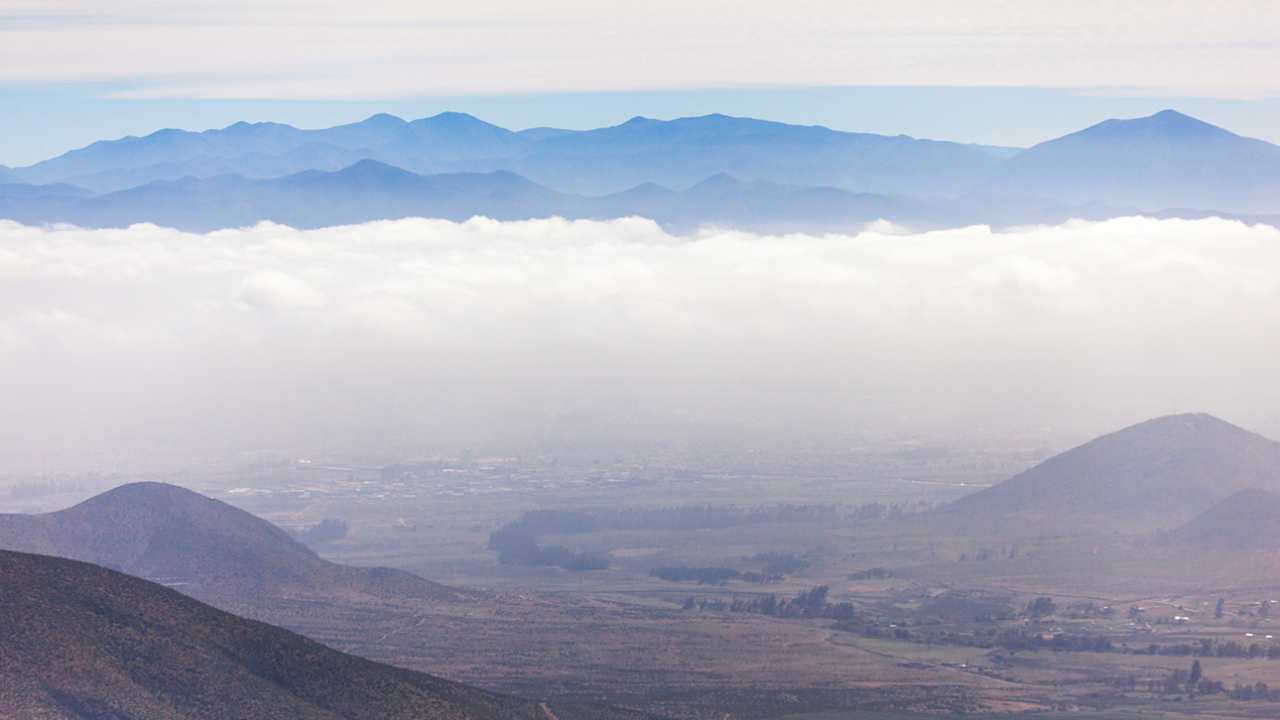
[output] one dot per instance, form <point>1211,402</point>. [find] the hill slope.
<point>1167,160</point>
<point>83,642</point>
<point>1248,520</point>
<point>202,546</point>
<point>1158,473</point>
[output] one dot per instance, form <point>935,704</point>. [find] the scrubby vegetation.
<point>327,530</point>
<point>519,547</point>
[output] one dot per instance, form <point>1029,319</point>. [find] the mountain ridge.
<point>207,547</point>
<point>370,190</point>
<point>1159,473</point>
<point>1246,520</point>
<point>569,161</point>
<point>85,642</point>
<point>1164,160</point>
<point>1166,165</point>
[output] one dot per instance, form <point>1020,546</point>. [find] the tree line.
<point>516,546</point>
<point>810,604</point>
<point>712,575</point>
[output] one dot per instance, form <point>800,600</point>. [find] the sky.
<point>995,72</point>
<point>417,335</point>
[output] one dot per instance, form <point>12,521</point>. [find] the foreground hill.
<point>1248,520</point>
<point>82,642</point>
<point>199,545</point>
<point>1167,160</point>
<point>1158,473</point>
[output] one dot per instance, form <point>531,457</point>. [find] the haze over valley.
<point>676,362</point>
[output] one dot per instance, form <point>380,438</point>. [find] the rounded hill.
<point>1159,473</point>
<point>1248,520</point>
<point>202,546</point>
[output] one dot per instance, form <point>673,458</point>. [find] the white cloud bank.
<point>419,332</point>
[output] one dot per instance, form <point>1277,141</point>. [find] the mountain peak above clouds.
<point>1166,126</point>
<point>1167,163</point>
<point>1166,160</point>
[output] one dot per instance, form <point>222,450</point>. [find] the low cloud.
<point>423,334</point>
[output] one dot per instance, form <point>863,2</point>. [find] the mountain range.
<point>370,190</point>
<point>674,154</point>
<point>1157,474</point>
<point>83,642</point>
<point>686,173</point>
<point>201,546</point>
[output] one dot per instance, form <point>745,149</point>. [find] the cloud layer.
<point>426,333</point>
<point>390,48</point>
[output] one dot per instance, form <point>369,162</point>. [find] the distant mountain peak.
<point>164,531</point>
<point>1161,471</point>
<point>1165,160</point>
<point>452,118</point>
<point>383,119</point>
<point>374,167</point>
<point>1163,126</point>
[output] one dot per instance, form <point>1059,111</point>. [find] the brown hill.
<point>1248,520</point>
<point>80,642</point>
<point>199,545</point>
<point>1158,473</point>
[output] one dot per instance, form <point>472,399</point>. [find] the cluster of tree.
<point>1041,607</point>
<point>42,488</point>
<point>1256,691</point>
<point>1060,642</point>
<point>516,546</point>
<point>712,575</point>
<point>986,553</point>
<point>327,530</point>
<point>1189,681</point>
<point>875,573</point>
<point>1076,611</point>
<point>1209,648</point>
<point>809,604</point>
<point>555,522</point>
<point>773,563</point>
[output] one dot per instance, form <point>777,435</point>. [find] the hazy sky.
<point>586,64</point>
<point>416,334</point>
<point>391,48</point>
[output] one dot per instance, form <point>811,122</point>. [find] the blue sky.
<point>989,71</point>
